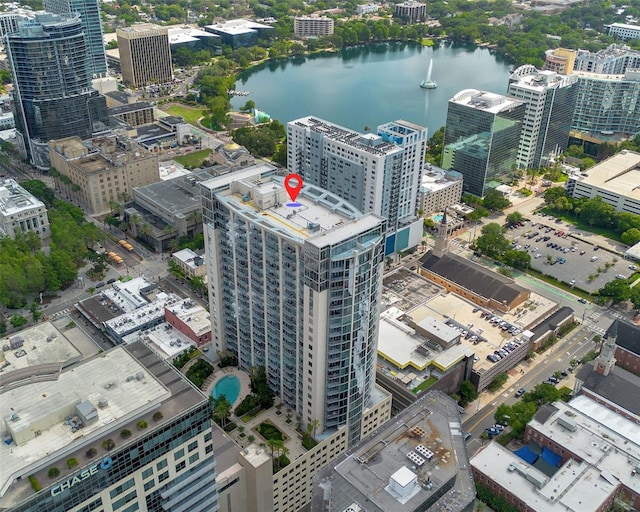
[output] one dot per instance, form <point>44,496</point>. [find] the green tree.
<point>468,392</point>
<point>492,241</point>
<point>514,218</point>
<point>494,200</point>
<point>18,320</point>
<point>221,410</point>
<point>630,236</point>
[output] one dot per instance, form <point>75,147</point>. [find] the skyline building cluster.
<point>294,286</point>
<point>53,96</point>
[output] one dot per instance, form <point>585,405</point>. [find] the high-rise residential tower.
<point>53,97</point>
<point>550,100</point>
<point>297,290</point>
<point>89,11</point>
<point>481,138</point>
<point>377,172</point>
<point>615,59</point>
<point>145,55</point>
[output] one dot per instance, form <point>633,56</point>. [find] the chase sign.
<point>106,463</point>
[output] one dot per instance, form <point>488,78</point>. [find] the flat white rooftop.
<point>127,294</point>
<point>143,315</point>
<point>110,375</point>
<point>42,344</point>
<point>485,101</point>
<point>619,174</point>
<point>317,216</point>
<point>15,199</point>
<point>577,487</point>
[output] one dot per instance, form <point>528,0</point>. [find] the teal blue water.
<point>372,85</point>
<point>229,386</point>
<point>438,218</point>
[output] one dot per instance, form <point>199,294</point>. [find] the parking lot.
<point>559,251</point>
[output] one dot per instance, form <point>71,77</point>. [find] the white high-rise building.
<point>376,172</point>
<point>550,99</point>
<point>297,290</point>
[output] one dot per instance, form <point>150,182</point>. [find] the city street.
<point>479,415</point>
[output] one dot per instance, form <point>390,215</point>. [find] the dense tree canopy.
<point>26,270</point>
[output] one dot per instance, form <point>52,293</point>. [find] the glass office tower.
<point>91,21</point>
<point>481,138</point>
<point>53,97</point>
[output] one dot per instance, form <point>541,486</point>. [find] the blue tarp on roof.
<point>526,454</point>
<point>551,457</point>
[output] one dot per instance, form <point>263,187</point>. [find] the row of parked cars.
<point>504,351</point>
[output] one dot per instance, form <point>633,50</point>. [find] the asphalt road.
<point>543,366</point>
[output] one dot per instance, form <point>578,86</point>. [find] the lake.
<point>371,85</point>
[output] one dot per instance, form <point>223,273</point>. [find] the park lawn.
<point>427,42</point>
<point>189,114</point>
<point>194,159</point>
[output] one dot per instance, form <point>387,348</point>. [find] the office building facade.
<point>119,431</point>
<point>91,21</point>
<point>297,290</point>
<point>53,97</point>
<point>624,31</point>
<point>105,170</point>
<point>481,138</point>
<point>550,100</point>
<point>411,11</point>
<point>607,105</point>
<point>145,55</point>
<point>376,172</point>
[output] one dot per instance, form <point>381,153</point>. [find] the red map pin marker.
<point>293,189</point>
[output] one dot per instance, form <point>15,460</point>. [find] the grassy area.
<point>427,42</point>
<point>194,159</point>
<point>424,385</point>
<point>189,114</point>
<point>582,226</point>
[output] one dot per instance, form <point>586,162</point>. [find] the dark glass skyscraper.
<point>481,138</point>
<point>53,97</point>
<point>89,11</point>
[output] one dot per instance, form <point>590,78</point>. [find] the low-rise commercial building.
<point>238,32</point>
<point>21,212</point>
<point>190,263</point>
<point>615,180</point>
<point>190,319</point>
<point>580,456</point>
<point>439,189</point>
<point>415,462</point>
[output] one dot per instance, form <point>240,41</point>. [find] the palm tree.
<point>312,426</point>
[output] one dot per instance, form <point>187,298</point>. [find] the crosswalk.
<point>58,314</point>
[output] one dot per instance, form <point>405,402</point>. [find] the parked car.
<point>492,431</point>
<point>520,392</point>
<point>582,300</point>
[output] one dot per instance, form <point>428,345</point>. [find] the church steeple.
<point>606,359</point>
<point>441,245</point>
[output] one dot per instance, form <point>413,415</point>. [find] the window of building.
<point>179,454</point>
<point>162,464</point>
<point>163,476</point>
<point>149,485</point>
